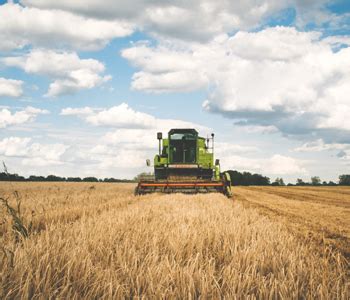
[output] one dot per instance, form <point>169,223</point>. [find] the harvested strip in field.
<point>172,246</point>
<point>323,222</point>
<point>334,196</point>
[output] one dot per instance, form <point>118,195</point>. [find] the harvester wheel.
<point>136,191</point>
<point>227,182</point>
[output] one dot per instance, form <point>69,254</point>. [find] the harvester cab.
<point>185,164</point>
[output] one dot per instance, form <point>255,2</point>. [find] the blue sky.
<point>85,85</point>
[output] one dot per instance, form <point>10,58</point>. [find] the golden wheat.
<point>322,213</point>
<point>99,241</point>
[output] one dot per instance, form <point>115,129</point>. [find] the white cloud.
<point>227,149</point>
<point>275,165</point>
<point>283,165</point>
<point>34,154</point>
<point>277,78</point>
<point>55,23</point>
<point>19,117</point>
<point>10,87</point>
<point>77,111</point>
<point>185,81</point>
<point>342,150</point>
<point>187,20</point>
<point>123,116</point>
<point>45,154</point>
<point>128,139</point>
<point>320,145</point>
<point>14,146</point>
<point>198,20</point>
<point>164,70</point>
<point>21,26</point>
<point>117,157</point>
<point>69,72</point>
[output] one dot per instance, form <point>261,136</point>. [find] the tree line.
<point>237,178</point>
<point>246,178</point>
<point>5,176</point>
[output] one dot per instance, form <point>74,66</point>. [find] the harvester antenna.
<point>159,137</point>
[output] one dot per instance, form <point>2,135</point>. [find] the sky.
<point>85,85</point>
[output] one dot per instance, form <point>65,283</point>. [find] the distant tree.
<point>74,179</point>
<point>236,177</point>
<point>90,179</point>
<point>324,183</point>
<point>315,180</point>
<point>331,183</point>
<point>344,179</point>
<point>278,182</point>
<point>36,178</point>
<point>300,182</point>
<point>112,180</point>
<point>4,176</point>
<point>290,184</point>
<point>247,178</point>
<point>55,178</point>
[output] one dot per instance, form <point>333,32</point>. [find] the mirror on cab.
<point>148,162</point>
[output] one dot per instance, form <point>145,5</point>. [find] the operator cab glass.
<point>183,145</point>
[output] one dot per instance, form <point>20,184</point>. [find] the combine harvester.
<point>185,164</point>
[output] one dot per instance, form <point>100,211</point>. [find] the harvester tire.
<point>227,182</point>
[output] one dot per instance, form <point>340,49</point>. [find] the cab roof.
<point>183,130</point>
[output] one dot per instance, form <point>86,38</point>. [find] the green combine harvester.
<point>185,164</point>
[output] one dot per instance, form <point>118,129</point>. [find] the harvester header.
<point>185,164</point>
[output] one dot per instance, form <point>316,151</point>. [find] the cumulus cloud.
<point>164,70</point>
<point>10,87</point>
<point>275,165</point>
<point>123,116</point>
<point>183,20</point>
<point>277,78</point>
<point>320,145</point>
<point>226,149</point>
<point>77,111</point>
<point>115,157</point>
<point>69,72</point>
<point>33,154</point>
<point>283,165</point>
<point>19,117</point>
<point>14,146</point>
<point>21,26</point>
<point>54,23</point>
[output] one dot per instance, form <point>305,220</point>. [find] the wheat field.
<point>100,241</point>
